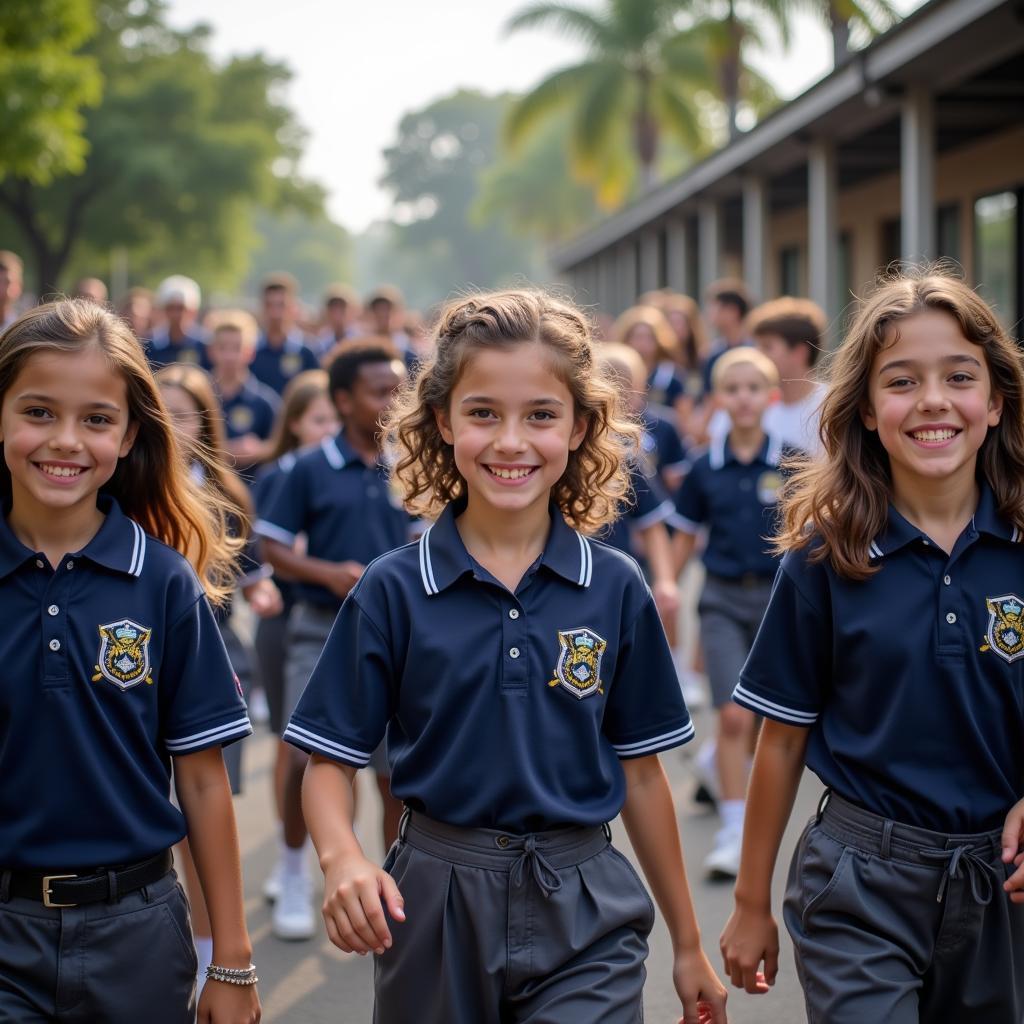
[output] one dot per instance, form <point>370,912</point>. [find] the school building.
<point>913,149</point>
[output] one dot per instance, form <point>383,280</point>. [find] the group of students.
<point>509,668</point>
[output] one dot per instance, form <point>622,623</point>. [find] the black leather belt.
<point>71,889</point>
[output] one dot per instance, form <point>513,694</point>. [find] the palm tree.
<point>869,16</point>
<point>640,71</point>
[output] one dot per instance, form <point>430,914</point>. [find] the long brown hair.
<point>151,483</point>
<point>842,498</point>
<point>596,480</point>
<point>302,391</point>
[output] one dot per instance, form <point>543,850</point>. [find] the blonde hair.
<point>647,316</point>
<point>613,354</point>
<point>596,480</point>
<point>302,391</point>
<point>234,320</point>
<point>152,483</point>
<point>744,355</point>
<point>693,348</point>
<point>842,498</point>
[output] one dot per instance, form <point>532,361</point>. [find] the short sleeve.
<point>646,712</point>
<point>786,674</point>
<point>201,697</point>
<point>284,517</point>
<point>691,502</point>
<point>671,452</point>
<point>344,711</point>
<point>650,502</point>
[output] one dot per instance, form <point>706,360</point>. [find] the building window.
<point>789,270</point>
<point>997,254</point>
<point>947,232</point>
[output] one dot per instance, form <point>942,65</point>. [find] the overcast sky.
<point>359,65</point>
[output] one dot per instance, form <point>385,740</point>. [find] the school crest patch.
<point>240,417</point>
<point>579,662</point>
<point>291,363</point>
<point>1005,633</point>
<point>124,654</point>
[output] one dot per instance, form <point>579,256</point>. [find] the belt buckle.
<point>48,892</point>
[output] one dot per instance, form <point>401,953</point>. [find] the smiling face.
<point>511,422</point>
<point>930,399</point>
<point>64,424</point>
<point>744,393</point>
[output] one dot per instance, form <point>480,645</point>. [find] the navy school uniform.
<point>650,505</point>
<point>665,385</point>
<point>161,351</point>
<point>911,684</point>
<point>251,410</point>
<point>661,443</point>
<point>113,664</point>
<point>275,367</point>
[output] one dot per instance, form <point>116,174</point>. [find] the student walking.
<point>524,682</point>
<point>114,668</point>
<point>889,663</point>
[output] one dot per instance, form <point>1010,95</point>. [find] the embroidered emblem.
<point>291,363</point>
<point>579,662</point>
<point>1005,633</point>
<point>769,484</point>
<point>240,417</point>
<point>124,654</point>
<point>188,355</point>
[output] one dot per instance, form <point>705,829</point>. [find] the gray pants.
<point>115,963</point>
<point>896,924</point>
<point>730,612</point>
<point>544,929</point>
<point>241,662</point>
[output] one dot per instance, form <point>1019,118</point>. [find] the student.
<point>338,497</point>
<point>522,676</point>
<point>92,289</point>
<point>791,332</point>
<point>177,339</point>
<point>306,418</point>
<point>10,287</point>
<point>732,490</point>
<point>727,304</point>
<point>136,310</point>
<point>645,329</point>
<point>341,314</point>
<point>888,662</point>
<point>281,349</point>
<point>114,669</point>
<point>249,407</point>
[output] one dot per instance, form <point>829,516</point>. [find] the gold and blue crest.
<point>124,654</point>
<point>1005,633</point>
<point>579,662</point>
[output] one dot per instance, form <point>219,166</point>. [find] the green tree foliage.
<point>44,84</point>
<point>434,172</point>
<point>848,19</point>
<point>181,152</point>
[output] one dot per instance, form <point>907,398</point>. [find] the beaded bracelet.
<point>233,975</point>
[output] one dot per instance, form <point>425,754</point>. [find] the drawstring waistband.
<point>978,870</point>
<point>544,874</point>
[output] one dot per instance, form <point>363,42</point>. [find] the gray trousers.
<point>101,963</point>
<point>549,928</point>
<point>896,924</point>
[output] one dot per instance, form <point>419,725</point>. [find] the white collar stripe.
<point>138,550</point>
<point>333,454</point>
<point>874,550</point>
<point>586,561</point>
<point>426,568</point>
<point>1015,536</point>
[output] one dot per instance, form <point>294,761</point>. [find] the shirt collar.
<point>294,340</point>
<point>444,558</point>
<point>119,544</point>
<point>899,532</point>
<point>160,338</point>
<point>720,454</point>
<point>338,452</point>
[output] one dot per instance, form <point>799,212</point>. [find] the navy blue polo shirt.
<point>912,681</point>
<point>650,505</point>
<point>112,665</point>
<point>502,710</point>
<point>251,410</point>
<point>161,351</point>
<point>661,443</point>
<point>268,479</point>
<point>346,509</point>
<point>275,367</point>
<point>737,501</point>
<point>665,385</point>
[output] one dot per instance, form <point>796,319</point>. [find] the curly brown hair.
<point>595,484</point>
<point>842,498</point>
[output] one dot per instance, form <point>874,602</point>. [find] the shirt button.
<point>39,563</point>
<point>502,841</point>
<point>947,580</point>
<point>55,644</point>
<point>52,610</point>
<point>951,617</point>
<point>69,566</point>
<point>513,613</point>
<point>513,652</point>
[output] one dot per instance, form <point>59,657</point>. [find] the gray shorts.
<point>899,924</point>
<point>309,625</point>
<point>269,646</point>
<point>507,929</point>
<point>241,661</point>
<point>730,612</point>
<point>119,963</point>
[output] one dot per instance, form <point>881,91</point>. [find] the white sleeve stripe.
<point>657,515</point>
<point>243,721</point>
<point>680,522</point>
<point>756,703</point>
<point>668,738</point>
<point>325,745</point>
<point>239,728</point>
<point>278,533</point>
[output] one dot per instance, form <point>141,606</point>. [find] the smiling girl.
<point>521,673</point>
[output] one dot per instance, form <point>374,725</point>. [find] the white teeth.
<point>61,470</point>
<point>510,474</point>
<point>933,435</point>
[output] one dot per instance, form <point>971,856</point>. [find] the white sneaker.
<point>705,767</point>
<point>293,912</point>
<point>272,883</point>
<point>259,709</point>
<point>724,860</point>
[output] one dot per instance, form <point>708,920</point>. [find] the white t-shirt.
<point>794,423</point>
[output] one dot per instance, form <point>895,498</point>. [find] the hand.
<point>1013,851</point>
<point>353,893</point>
<point>703,996</point>
<point>247,449</point>
<point>750,937</point>
<point>666,599</point>
<point>264,598</point>
<point>224,1003</point>
<point>343,577</point>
